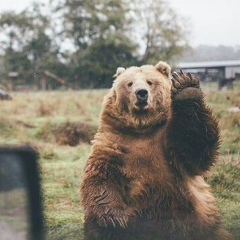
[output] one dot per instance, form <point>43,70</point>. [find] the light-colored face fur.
<point>140,97</point>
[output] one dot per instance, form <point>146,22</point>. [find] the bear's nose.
<point>142,94</point>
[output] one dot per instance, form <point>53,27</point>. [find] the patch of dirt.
<point>74,133</point>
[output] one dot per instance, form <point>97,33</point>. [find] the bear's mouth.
<point>141,105</point>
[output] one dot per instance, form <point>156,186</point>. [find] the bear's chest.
<point>153,188</point>
<point>146,162</point>
<point>148,172</point>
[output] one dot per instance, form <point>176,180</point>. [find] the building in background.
<point>222,72</point>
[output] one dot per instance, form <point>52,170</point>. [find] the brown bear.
<point>145,176</point>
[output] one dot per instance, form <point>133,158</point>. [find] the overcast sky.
<point>213,22</point>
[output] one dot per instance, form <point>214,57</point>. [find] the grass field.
<point>61,124</point>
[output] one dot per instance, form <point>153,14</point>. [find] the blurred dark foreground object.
<point>20,195</point>
<point>4,95</point>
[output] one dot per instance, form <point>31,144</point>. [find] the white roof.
<point>212,64</point>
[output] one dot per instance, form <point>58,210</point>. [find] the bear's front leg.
<point>193,134</point>
<point>102,193</point>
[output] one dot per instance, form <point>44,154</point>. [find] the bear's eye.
<point>130,84</point>
<point>150,83</point>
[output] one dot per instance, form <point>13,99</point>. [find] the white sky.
<point>213,22</point>
<point>6,5</point>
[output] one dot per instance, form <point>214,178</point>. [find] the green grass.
<point>31,118</point>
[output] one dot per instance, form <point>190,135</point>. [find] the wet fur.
<point>145,176</point>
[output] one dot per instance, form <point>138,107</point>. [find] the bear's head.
<point>140,97</point>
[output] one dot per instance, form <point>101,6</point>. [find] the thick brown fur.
<point>145,176</point>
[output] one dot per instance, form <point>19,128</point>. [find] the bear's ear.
<point>163,68</point>
<point>120,70</point>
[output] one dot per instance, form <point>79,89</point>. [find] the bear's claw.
<point>114,221</point>
<point>185,86</point>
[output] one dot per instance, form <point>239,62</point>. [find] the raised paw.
<point>185,86</point>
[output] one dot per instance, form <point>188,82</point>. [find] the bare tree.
<point>162,32</point>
